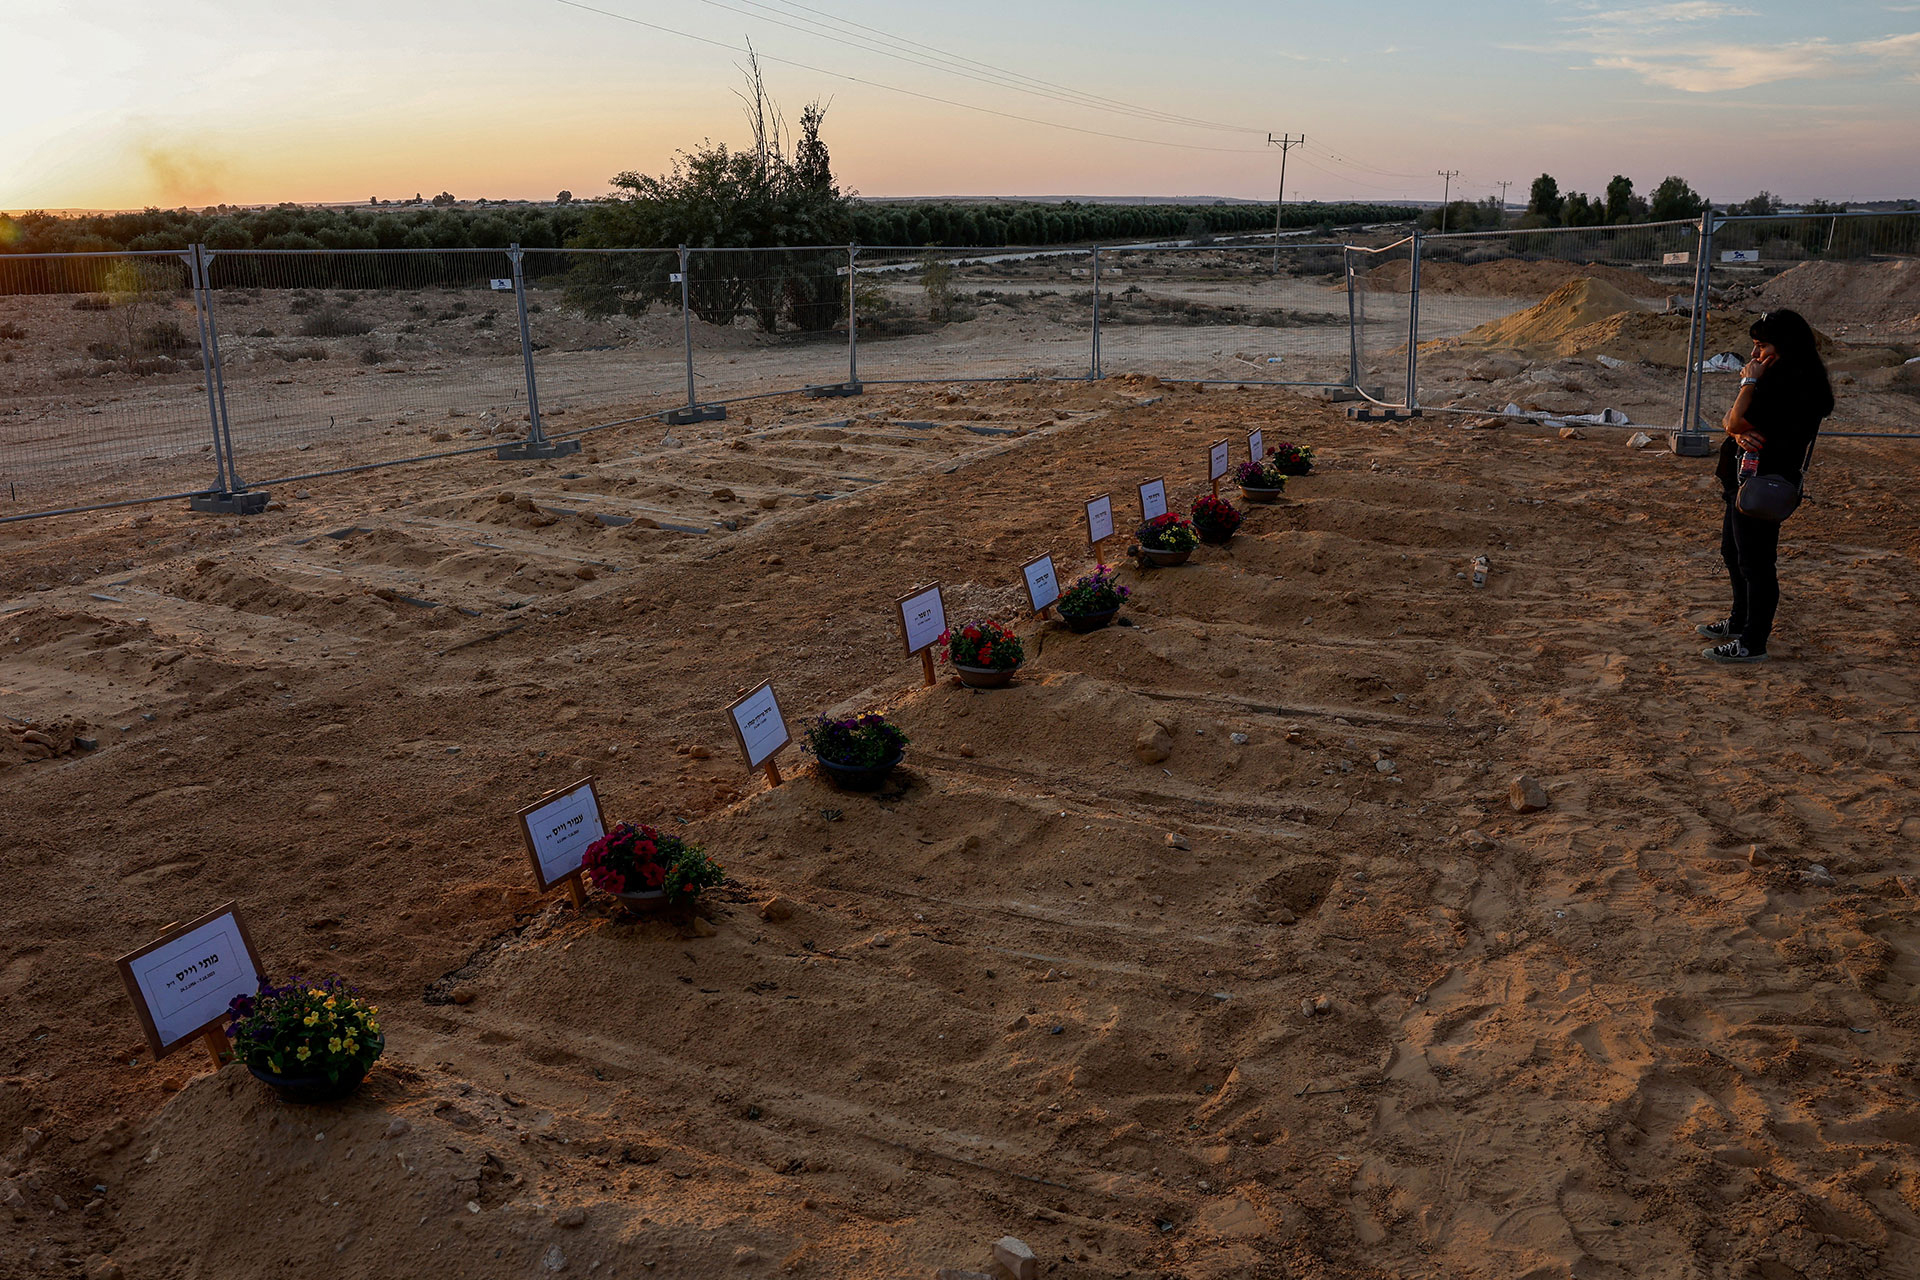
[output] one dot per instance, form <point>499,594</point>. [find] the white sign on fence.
<point>501,286</point>
<point>1675,259</point>
<point>1740,255</point>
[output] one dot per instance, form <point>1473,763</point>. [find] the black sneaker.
<point>1721,630</point>
<point>1731,651</point>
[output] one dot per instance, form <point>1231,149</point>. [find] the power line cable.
<point>911,93</point>
<point>1091,99</point>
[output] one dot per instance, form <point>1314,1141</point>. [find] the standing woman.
<point>1784,393</point>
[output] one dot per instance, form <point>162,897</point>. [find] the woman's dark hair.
<point>1789,334</point>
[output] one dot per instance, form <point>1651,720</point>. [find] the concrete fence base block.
<point>696,413</point>
<point>250,503</point>
<point>1691,444</point>
<point>1380,413</point>
<point>528,450</point>
<point>822,391</point>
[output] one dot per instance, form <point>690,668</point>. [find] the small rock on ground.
<point>1016,1257</point>
<point>1526,795</point>
<point>1153,743</point>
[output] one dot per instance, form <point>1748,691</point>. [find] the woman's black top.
<point>1786,411</point>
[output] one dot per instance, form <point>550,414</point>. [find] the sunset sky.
<point>122,103</point>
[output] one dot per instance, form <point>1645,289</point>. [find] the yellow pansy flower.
<point>352,1046</point>
<point>312,1018</point>
<point>303,1054</point>
<point>373,1026</point>
<point>333,1045</point>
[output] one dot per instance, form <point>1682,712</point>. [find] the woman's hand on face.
<point>1755,367</point>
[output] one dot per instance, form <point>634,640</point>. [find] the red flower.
<point>652,874</point>
<point>985,656</point>
<point>613,882</point>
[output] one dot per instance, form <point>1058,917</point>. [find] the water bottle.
<point>1749,464</point>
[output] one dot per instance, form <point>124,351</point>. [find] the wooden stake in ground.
<point>760,729</point>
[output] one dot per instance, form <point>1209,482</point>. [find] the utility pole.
<point>1446,191</point>
<point>1286,142</point>
<point>1503,202</point>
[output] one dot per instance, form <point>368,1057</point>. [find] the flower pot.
<point>1164,559</point>
<point>1082,623</point>
<point>983,677</point>
<point>857,777</point>
<point>307,1090</point>
<point>1261,496</point>
<point>1216,539</point>
<point>642,899</point>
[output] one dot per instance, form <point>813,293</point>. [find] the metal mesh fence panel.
<point>766,320</point>
<point>1856,279</point>
<point>102,386</point>
<point>1226,313</point>
<point>342,359</point>
<point>1569,320</point>
<point>1379,299</point>
<point>607,336</point>
<point>943,314</point>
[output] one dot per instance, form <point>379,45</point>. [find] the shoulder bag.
<point>1773,497</point>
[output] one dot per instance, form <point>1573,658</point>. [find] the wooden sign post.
<point>182,982</point>
<point>1256,445</point>
<point>760,729</point>
<point>1153,499</point>
<point>923,620</point>
<point>1043,586</point>
<point>1218,459</point>
<point>558,828</point>
<point>1099,522</point>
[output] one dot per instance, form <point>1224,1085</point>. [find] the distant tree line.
<point>915,223</point>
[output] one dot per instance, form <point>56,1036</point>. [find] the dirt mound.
<point>1302,994</point>
<point>1574,305</point>
<point>1849,292</point>
<point>1508,279</point>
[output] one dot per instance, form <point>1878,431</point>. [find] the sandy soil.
<point>1050,986</point>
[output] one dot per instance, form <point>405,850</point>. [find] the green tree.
<point>1544,199</point>
<point>1620,199</point>
<point>1673,200</point>
<point>1764,205</point>
<point>717,198</point>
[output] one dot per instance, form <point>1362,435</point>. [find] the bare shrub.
<point>166,337</point>
<point>93,302</point>
<point>329,323</point>
<point>10,332</point>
